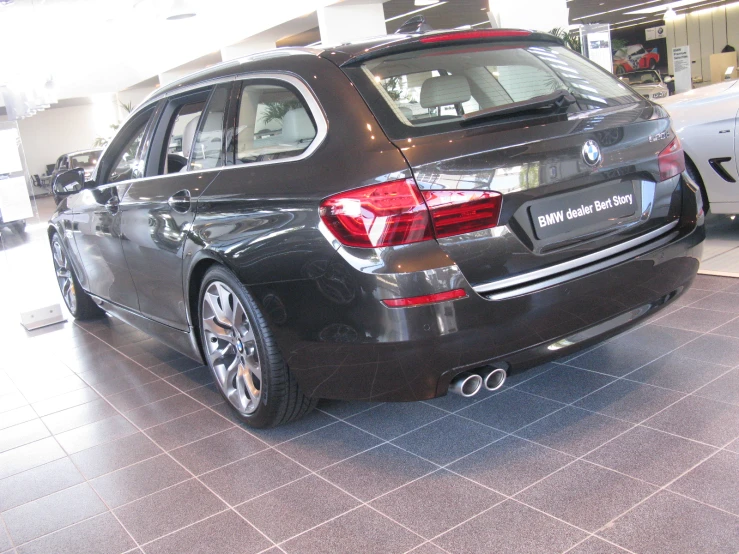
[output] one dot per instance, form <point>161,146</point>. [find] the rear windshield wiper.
<point>537,106</point>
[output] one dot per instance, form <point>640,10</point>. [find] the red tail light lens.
<point>471,35</point>
<point>671,160</point>
<point>389,214</point>
<point>455,212</point>
<point>426,299</point>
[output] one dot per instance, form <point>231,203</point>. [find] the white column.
<point>537,15</point>
<point>351,20</point>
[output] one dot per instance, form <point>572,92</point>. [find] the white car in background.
<point>705,120</point>
<point>648,83</point>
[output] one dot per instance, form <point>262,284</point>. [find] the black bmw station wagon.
<point>389,221</point>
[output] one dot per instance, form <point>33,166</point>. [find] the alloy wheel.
<point>231,347</point>
<point>64,276</point>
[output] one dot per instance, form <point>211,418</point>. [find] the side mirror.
<point>69,182</point>
<point>668,79</point>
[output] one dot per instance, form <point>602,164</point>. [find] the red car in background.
<point>634,57</point>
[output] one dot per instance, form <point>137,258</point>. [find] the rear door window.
<point>181,137</point>
<point>206,151</point>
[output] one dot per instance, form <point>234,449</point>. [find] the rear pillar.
<point>351,20</point>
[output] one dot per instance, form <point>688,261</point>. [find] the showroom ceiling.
<point>444,15</point>
<point>100,46</point>
<point>620,12</point>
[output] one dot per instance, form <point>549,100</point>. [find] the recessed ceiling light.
<point>180,10</point>
<point>670,5</point>
<point>175,17</point>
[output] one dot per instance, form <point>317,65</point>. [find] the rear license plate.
<point>586,210</point>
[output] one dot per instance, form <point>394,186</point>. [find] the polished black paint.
<point>143,259</point>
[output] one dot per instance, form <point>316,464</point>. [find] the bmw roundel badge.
<point>591,153</point>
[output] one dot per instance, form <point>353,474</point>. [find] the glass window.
<point>86,160</point>
<point>125,162</point>
<point>273,123</point>
<point>436,87</point>
<point>207,149</point>
<point>181,137</point>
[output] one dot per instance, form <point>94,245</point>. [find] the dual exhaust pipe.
<point>468,384</point>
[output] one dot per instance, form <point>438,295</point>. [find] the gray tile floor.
<point>721,249</point>
<point>112,443</point>
<point>117,444</point>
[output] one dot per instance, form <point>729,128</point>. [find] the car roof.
<point>338,53</point>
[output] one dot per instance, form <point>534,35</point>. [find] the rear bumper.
<point>341,342</point>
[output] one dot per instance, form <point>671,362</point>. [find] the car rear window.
<point>430,90</point>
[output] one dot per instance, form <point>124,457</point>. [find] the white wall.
<point>350,21</point>
<point>54,132</point>
<point>538,15</point>
<point>706,32</point>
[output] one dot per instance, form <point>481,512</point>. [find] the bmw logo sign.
<point>591,153</point>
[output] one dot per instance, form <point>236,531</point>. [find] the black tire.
<point>78,302</point>
<point>280,399</point>
<point>696,176</point>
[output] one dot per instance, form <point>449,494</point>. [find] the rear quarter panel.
<point>262,221</point>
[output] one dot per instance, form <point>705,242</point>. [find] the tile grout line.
<point>283,454</point>
<point>87,482</point>
<point>7,532</point>
<point>439,467</point>
<point>663,488</point>
<point>333,416</point>
<point>571,462</point>
<point>173,458</point>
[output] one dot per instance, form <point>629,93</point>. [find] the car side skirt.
<point>183,342</point>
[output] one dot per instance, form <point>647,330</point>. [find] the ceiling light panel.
<point>663,7</point>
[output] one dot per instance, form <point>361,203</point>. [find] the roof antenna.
<point>414,26</point>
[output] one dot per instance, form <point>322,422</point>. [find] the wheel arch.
<point>203,261</point>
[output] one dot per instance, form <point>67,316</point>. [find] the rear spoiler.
<point>449,38</point>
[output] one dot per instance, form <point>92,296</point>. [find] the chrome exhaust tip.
<point>466,384</point>
<point>494,379</point>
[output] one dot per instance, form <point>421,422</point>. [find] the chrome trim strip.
<point>561,278</point>
<point>572,264</point>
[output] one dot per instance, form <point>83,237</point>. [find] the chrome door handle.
<point>112,204</point>
<point>180,201</point>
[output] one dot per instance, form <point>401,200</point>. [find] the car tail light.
<point>389,214</point>
<point>471,35</point>
<point>455,212</point>
<point>671,160</point>
<point>426,299</point>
